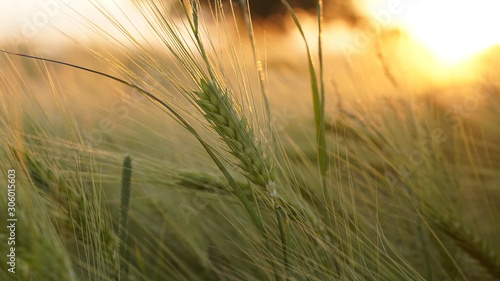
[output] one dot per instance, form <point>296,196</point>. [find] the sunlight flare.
<point>453,31</point>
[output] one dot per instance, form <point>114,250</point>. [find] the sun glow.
<point>453,31</point>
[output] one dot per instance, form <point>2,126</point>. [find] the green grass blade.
<point>317,93</point>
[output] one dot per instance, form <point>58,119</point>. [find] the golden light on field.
<point>453,31</point>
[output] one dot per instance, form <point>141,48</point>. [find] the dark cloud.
<point>334,9</point>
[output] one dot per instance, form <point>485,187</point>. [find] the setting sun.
<point>453,31</point>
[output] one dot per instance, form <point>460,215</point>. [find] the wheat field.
<point>202,146</point>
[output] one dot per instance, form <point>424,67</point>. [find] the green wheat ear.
<point>124,207</point>
<point>237,134</point>
<point>471,243</point>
